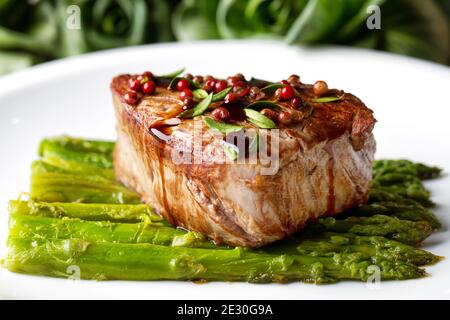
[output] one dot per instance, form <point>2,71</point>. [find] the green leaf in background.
<point>324,21</point>
<point>14,61</point>
<point>256,18</point>
<point>37,30</point>
<point>357,19</point>
<point>318,18</point>
<point>114,23</point>
<point>27,34</point>
<point>195,20</point>
<point>231,22</point>
<point>111,20</point>
<point>36,34</point>
<point>417,28</point>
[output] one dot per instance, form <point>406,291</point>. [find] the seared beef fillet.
<point>324,167</point>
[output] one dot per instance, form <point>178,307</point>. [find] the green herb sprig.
<point>173,74</point>
<point>259,119</point>
<point>326,99</point>
<point>199,94</point>
<point>230,151</point>
<point>221,95</point>
<point>263,104</point>
<point>272,87</point>
<point>198,110</point>
<point>222,127</point>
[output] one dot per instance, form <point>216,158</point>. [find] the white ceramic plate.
<point>71,96</point>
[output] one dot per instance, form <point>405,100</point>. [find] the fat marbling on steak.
<point>324,167</point>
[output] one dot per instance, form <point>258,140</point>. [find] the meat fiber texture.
<point>322,167</point>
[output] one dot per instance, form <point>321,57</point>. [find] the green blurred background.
<point>35,31</point>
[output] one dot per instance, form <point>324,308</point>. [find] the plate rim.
<point>27,77</point>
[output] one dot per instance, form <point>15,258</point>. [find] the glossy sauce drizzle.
<point>331,204</point>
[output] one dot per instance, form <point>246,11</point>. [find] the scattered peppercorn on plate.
<point>77,221</point>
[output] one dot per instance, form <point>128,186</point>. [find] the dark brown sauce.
<point>157,123</point>
<point>331,195</point>
<point>172,114</point>
<point>163,184</point>
<point>163,128</point>
<point>167,130</point>
<point>162,134</point>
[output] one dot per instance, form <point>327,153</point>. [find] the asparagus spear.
<point>130,213</point>
<point>405,168</point>
<point>110,261</point>
<point>369,247</point>
<point>414,191</point>
<point>87,157</point>
<point>105,148</point>
<point>425,172</point>
<point>400,211</point>
<point>377,195</point>
<point>52,184</point>
<point>26,226</point>
<point>142,213</point>
<point>408,232</point>
<point>403,178</point>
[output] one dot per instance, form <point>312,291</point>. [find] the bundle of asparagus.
<point>80,215</point>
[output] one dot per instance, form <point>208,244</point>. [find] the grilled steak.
<point>324,161</point>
